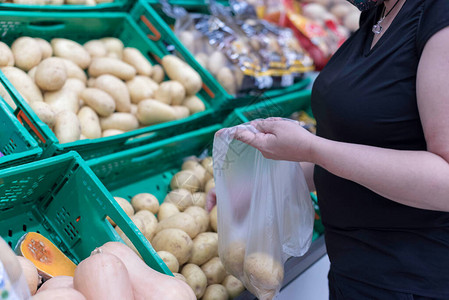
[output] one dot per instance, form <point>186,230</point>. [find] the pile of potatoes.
<point>58,2</point>
<point>184,234</point>
<point>98,89</point>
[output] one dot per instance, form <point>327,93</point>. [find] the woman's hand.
<point>279,139</point>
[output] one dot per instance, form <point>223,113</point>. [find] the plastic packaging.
<point>265,214</point>
<point>13,285</point>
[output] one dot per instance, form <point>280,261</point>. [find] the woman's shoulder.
<point>434,17</point>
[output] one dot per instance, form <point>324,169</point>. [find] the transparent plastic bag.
<point>265,214</point>
<point>13,285</point>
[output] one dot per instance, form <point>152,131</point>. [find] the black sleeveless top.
<point>368,97</point>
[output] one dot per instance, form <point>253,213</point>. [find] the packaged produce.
<point>320,26</point>
<point>243,53</point>
<point>265,213</point>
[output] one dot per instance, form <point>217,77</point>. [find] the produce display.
<point>57,2</point>
<point>184,233</point>
<point>98,89</point>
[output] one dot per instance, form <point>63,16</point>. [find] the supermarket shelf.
<point>295,266</point>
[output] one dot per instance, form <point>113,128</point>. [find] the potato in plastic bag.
<point>265,214</point>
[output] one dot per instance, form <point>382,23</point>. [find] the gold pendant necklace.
<point>377,28</point>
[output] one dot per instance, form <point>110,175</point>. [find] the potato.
<point>217,61</point>
<point>6,56</point>
<point>46,49</point>
<point>200,216</point>
<point>140,88</point>
<point>117,89</point>
<point>75,85</point>
<point>113,45</point>
<point>175,241</point>
<point>74,71</point>
<point>95,48</point>
<point>133,57</point>
<point>263,273</point>
<point>213,218</point>
<point>226,78</point>
<point>32,73</point>
<point>202,59</point>
<point>72,51</point>
<point>158,74</point>
<point>215,292</point>
<point>199,199</point>
<point>4,94</point>
<point>181,198</point>
<point>233,286</point>
<point>214,271</point>
<point>90,123</point>
<point>181,112</point>
<point>170,260</point>
<point>27,53</point>
<point>121,121</point>
<point>187,38</point>
<point>151,112</point>
<point>233,258</point>
<point>51,74</point>
<point>150,222</point>
<point>180,276</point>
<point>145,201</point>
<point>194,104</point>
<point>181,221</point>
<point>134,109</point>
<point>100,101</point>
<point>208,164</point>
<point>185,179</point>
<point>195,279</point>
<point>167,210</point>
<point>44,112</point>
<point>205,247</point>
<point>23,83</point>
<point>170,92</point>
<point>125,205</point>
<point>111,132</point>
<point>62,100</point>
<point>112,66</point>
<point>180,71</point>
<point>210,184</point>
<point>196,168</point>
<point>67,127</point>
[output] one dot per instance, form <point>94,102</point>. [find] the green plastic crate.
<point>16,144</point>
<point>149,16</point>
<point>61,198</point>
<point>150,168</point>
<point>82,27</point>
<point>116,5</point>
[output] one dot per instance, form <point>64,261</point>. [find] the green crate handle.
<point>137,159</point>
<point>156,34</point>
<point>46,25</point>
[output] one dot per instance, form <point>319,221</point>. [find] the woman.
<point>381,155</point>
